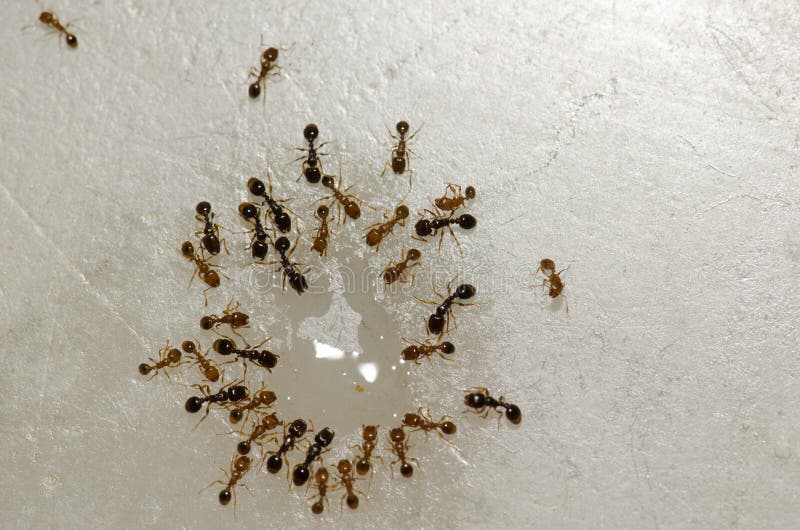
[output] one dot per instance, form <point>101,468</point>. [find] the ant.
<point>297,429</point>
<point>230,393</point>
<point>423,421</point>
<point>552,281</point>
<point>379,230</point>
<point>397,437</point>
<point>347,479</point>
<point>350,203</point>
<point>290,270</point>
<point>446,203</point>
<point>370,435</point>
<point>261,399</point>
<point>268,58</point>
<point>203,268</point>
<point>210,240</point>
<point>311,160</point>
<point>321,484</point>
<point>416,350</point>
<point>439,322</point>
<point>235,319</point>
<point>321,239</point>
<point>280,218</point>
<point>208,368</point>
<point>167,357</point>
<point>258,244</point>
<point>240,465</point>
<point>400,152</point>
<point>263,358</point>
<point>398,271</point>
<point>50,19</point>
<point>427,227</point>
<point>479,401</point>
<point>322,440</point>
<point>261,428</point>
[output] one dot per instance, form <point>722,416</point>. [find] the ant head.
<point>248,210</point>
<point>298,428</point>
<point>282,244</point>
<point>203,208</point>
<point>402,127</point>
<point>465,291</point>
<point>242,447</point>
<point>223,346</point>
<point>225,497</point>
<point>324,437</point>
<point>205,323</point>
<point>411,420</point>
<point>270,54</point>
<point>311,132</point>
<point>411,353</point>
<point>256,186</point>
<point>513,414</point>
<point>447,347</point>
<point>189,346</point>
<point>237,393</point>
<point>283,222</point>
<point>475,400</point>
<point>423,228</point>
<point>352,210</point>
<point>448,427</point>
<point>322,212</point>
<point>174,355</point>
<point>401,212</point>
<point>72,40</point>
<point>321,476</point>
<point>211,278</point>
<point>413,254</point>
<point>370,432</point>
<point>268,360</point>
<point>406,469</point>
<point>144,368</point>
<point>327,181</point>
<point>46,17</point>
<point>312,174</point>
<point>187,249</point>
<point>255,90</point>
<point>397,434</point>
<point>469,193</point>
<point>344,466</point>
<point>236,416</point>
<point>259,249</point>
<point>467,221</point>
<point>547,264</point>
<point>193,404</point>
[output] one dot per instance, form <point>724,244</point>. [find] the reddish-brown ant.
<point>422,421</point>
<point>296,430</point>
<point>400,152</point>
<point>240,465</point>
<point>398,271</point>
<point>481,402</point>
<point>430,227</point>
<point>263,399</point>
<point>447,203</point>
<point>50,19</point>
<point>347,479</point>
<point>321,239</point>
<point>258,243</point>
<point>312,165</point>
<point>416,350</point>
<point>301,471</point>
<point>210,240</point>
<point>378,231</point>
<point>261,428</point>
<point>230,316</point>
<point>291,270</point>
<point>321,485</point>
<point>397,437</point>
<point>167,357</point>
<point>439,322</point>
<point>203,268</point>
<point>370,435</point>
<point>349,202</point>
<point>552,281</point>
<point>267,59</point>
<point>208,368</point>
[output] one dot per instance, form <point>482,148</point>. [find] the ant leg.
<point>430,302</point>
<point>205,295</point>
<point>208,409</point>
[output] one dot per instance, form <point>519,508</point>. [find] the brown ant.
<point>449,204</point>
<point>167,357</point>
<point>311,160</point>
<point>378,231</point>
<point>260,400</point>
<point>321,485</point>
<point>208,368</point>
<point>296,430</point>
<point>279,217</point>
<point>50,19</point>
<point>291,270</point>
<point>552,281</point>
<point>210,240</point>
<point>430,227</point>
<point>422,421</point>
<point>321,239</point>
<point>350,203</point>
<point>400,152</point>
<point>322,440</point>
<point>398,271</point>
<point>348,479</point>
<point>230,316</point>
<point>230,393</point>
<point>240,465</point>
<point>370,435</point>
<point>203,268</point>
<point>261,428</point>
<point>258,243</point>
<point>439,322</point>
<point>264,358</point>
<point>267,60</point>
<point>480,401</point>
<point>416,350</point>
<point>397,437</point>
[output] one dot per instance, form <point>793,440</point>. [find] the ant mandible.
<point>203,268</point>
<point>449,204</point>
<point>416,350</point>
<point>279,217</point>
<point>167,357</point>
<point>312,165</point>
<point>321,239</point>
<point>267,59</point>
<point>439,322</point>
<point>50,19</point>
<point>379,230</point>
<point>258,243</point>
<point>208,368</point>
<point>400,152</point>
<point>552,281</point>
<point>210,240</point>
<point>398,271</point>
<point>480,401</point>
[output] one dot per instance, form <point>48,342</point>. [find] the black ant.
<point>378,231</point>
<point>208,368</point>
<point>322,440</point>
<point>280,218</point>
<point>400,152</point>
<point>290,270</point>
<point>167,357</point>
<point>427,227</point>
<point>258,244</point>
<point>350,203</point>
<point>370,435</point>
<point>210,240</point>
<point>439,321</point>
<point>311,160</point>
<point>321,239</point>
<point>203,268</point>
<point>261,428</point>
<point>262,399</point>
<point>240,465</point>
<point>321,485</point>
<point>50,19</point>
<point>397,437</point>
<point>422,421</point>
<point>398,271</point>
<point>263,358</point>
<point>480,402</point>
<point>297,429</point>
<point>416,350</point>
<point>552,281</point>
<point>268,58</point>
<point>230,393</point>
<point>348,480</point>
<point>447,203</point>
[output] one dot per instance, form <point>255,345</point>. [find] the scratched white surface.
<point>651,146</point>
